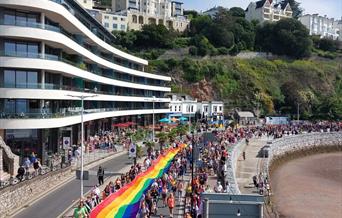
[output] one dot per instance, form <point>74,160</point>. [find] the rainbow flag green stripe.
<point>126,202</point>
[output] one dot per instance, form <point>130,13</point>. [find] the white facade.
<point>267,10</point>
<point>319,25</point>
<point>140,12</point>
<point>87,4</point>
<point>338,26</point>
<point>183,105</point>
<point>111,21</point>
<point>53,51</point>
<point>211,108</point>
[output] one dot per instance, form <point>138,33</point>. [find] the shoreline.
<point>299,179</point>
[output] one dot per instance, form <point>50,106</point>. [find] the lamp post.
<point>154,98</point>
<point>82,97</point>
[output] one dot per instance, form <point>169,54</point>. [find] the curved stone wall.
<point>303,142</point>
<point>281,147</point>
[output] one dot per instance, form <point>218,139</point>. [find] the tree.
<point>220,36</point>
<point>199,24</point>
<point>285,37</point>
<point>328,44</point>
<point>237,12</point>
<point>125,39</point>
<point>190,14</point>
<point>155,36</point>
<point>297,11</point>
<point>291,38</point>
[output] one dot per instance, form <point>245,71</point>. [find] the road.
<point>57,201</point>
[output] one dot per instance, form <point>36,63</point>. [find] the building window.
<point>115,18</point>
<point>179,108</point>
<point>122,19</point>
<point>115,26</point>
<point>215,108</point>
<point>220,108</point>
<point>205,108</point>
<point>123,27</point>
<point>192,108</point>
<point>175,108</point>
<point>85,1</point>
<point>20,79</point>
<point>22,49</point>
<point>106,25</point>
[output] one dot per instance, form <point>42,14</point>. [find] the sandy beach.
<point>309,187</point>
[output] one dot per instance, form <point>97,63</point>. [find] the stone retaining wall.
<point>13,197</point>
<point>300,145</point>
<point>234,154</point>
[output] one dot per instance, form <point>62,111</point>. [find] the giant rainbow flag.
<point>126,202</point>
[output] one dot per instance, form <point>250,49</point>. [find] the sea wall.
<point>297,146</point>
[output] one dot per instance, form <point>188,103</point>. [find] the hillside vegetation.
<point>201,62</point>
<point>273,86</point>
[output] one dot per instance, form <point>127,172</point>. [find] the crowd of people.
<point>212,157</point>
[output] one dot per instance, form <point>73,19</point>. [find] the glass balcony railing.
<point>81,66</point>
<point>62,31</point>
<point>49,86</point>
<point>65,112</point>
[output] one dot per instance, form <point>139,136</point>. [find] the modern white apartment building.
<point>139,12</point>
<point>52,52</point>
<point>267,10</point>
<point>320,25</point>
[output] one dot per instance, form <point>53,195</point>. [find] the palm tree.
<point>163,137</point>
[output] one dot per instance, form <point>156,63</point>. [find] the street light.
<point>154,98</point>
<point>82,97</point>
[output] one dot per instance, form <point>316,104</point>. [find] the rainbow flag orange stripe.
<point>126,202</point>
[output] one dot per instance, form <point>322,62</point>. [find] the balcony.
<point>65,112</point>
<point>80,65</point>
<point>62,31</point>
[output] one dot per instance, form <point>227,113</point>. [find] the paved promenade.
<point>248,168</point>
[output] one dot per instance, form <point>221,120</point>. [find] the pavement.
<point>55,203</point>
<point>250,167</point>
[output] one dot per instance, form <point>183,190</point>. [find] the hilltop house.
<point>268,10</point>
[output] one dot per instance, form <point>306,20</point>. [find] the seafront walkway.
<point>250,167</point>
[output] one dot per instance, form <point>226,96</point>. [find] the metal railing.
<point>62,31</point>
<point>65,112</point>
<point>78,65</point>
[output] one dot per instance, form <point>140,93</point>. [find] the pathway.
<point>248,168</point>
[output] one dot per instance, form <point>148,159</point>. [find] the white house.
<point>320,25</point>
<point>211,110</point>
<point>338,26</point>
<point>182,105</point>
<point>185,105</point>
<point>267,10</point>
<point>140,12</point>
<point>111,21</point>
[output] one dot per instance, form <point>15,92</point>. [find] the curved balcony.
<point>33,92</point>
<point>33,31</point>
<point>67,117</point>
<point>65,67</point>
<point>57,7</point>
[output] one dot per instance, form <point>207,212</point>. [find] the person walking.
<point>244,155</point>
<point>171,203</point>
<point>100,175</point>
